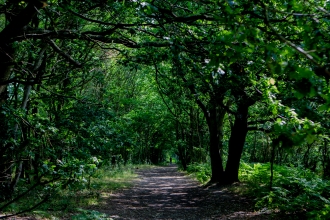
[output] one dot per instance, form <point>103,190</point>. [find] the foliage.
<point>97,83</point>
<point>89,215</point>
<point>77,196</point>
<point>202,172</point>
<point>294,189</point>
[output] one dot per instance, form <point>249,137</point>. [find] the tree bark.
<point>253,152</point>
<point>236,143</point>
<point>15,27</point>
<point>214,122</point>
<point>272,158</point>
<point>216,160</point>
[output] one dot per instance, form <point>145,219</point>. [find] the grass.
<point>76,200</point>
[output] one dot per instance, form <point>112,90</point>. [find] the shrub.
<point>201,171</point>
<point>294,189</point>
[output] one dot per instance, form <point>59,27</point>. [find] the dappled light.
<point>165,193</point>
<point>237,93</point>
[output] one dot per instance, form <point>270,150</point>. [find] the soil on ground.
<point>165,193</point>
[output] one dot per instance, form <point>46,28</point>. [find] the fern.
<point>294,189</point>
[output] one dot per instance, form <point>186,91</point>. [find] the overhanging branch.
<point>63,54</point>
<point>97,36</point>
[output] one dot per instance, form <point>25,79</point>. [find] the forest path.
<point>165,193</point>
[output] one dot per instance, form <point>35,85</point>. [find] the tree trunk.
<point>253,152</point>
<point>272,158</point>
<point>216,160</point>
<point>214,124</point>
<point>236,143</point>
<point>7,52</point>
<point>180,149</point>
<point>14,182</point>
<point>6,60</point>
<point>325,160</point>
<point>14,28</point>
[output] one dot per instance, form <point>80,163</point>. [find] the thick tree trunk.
<point>214,122</point>
<point>14,28</point>
<point>216,160</point>
<point>182,157</point>
<point>236,143</point>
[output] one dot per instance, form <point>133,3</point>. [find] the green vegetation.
<point>85,85</point>
<point>201,171</point>
<point>78,196</point>
<point>294,189</point>
<point>89,215</point>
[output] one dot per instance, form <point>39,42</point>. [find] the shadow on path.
<point>164,193</point>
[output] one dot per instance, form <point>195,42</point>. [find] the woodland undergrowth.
<point>294,189</point>
<point>72,201</point>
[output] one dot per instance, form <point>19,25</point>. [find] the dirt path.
<point>164,193</point>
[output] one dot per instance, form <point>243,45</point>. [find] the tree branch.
<point>98,36</point>
<point>27,210</point>
<point>198,101</point>
<point>63,54</point>
<point>20,21</point>
<point>255,128</point>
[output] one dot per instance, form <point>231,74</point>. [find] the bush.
<point>201,171</point>
<point>77,195</point>
<point>294,189</point>
<point>89,215</point>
